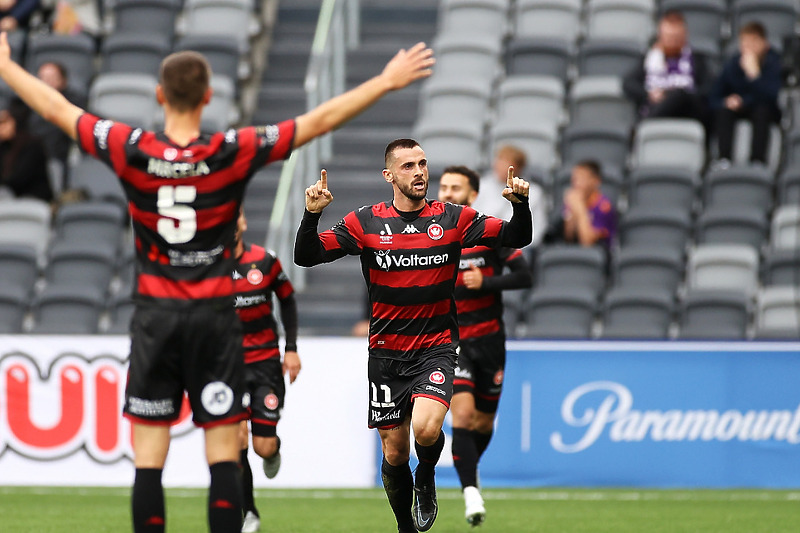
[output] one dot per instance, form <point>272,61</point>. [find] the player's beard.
<point>411,193</point>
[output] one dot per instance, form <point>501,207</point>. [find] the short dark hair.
<point>184,77</point>
<point>394,145</point>
<point>472,177</point>
<point>753,28</point>
<point>673,16</point>
<point>592,166</point>
<point>62,70</point>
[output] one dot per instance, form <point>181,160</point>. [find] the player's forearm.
<point>308,248</point>
<point>43,99</point>
<point>518,232</point>
<point>520,277</point>
<point>289,321</point>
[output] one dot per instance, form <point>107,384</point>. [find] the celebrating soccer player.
<point>482,345</point>
<point>410,250</point>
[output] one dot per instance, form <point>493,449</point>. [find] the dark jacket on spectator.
<point>762,90</point>
<point>21,11</point>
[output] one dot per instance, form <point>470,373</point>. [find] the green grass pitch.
<point>75,509</point>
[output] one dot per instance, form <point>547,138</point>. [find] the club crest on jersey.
<point>271,401</point>
<point>436,377</point>
<point>255,276</point>
<point>170,154</point>
<point>435,232</point>
<point>498,377</point>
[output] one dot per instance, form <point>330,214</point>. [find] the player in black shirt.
<point>482,352</point>
<point>185,190</point>
<point>410,249</point>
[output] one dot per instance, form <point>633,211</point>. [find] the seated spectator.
<point>588,217</point>
<point>56,142</point>
<point>491,201</point>
<point>23,165</point>
<point>14,14</point>
<point>672,79</point>
<point>747,89</point>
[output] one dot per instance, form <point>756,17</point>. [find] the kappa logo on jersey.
<point>271,401</point>
<point>435,232</point>
<point>498,377</point>
<point>217,398</point>
<point>135,134</point>
<point>436,377</point>
<point>170,154</point>
<point>410,228</point>
<point>255,276</point>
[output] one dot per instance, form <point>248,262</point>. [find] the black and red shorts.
<point>264,383</point>
<point>480,369</point>
<point>197,350</point>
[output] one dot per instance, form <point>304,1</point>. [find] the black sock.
<point>147,501</point>
<point>481,441</point>
<point>225,498</point>
<point>398,484</point>
<point>248,502</point>
<point>428,457</point>
<point>465,457</point>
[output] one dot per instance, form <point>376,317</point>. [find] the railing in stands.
<point>337,30</point>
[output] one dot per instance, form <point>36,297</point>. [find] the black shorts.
<point>394,384</point>
<point>481,363</point>
<point>198,350</point>
<point>265,387</point>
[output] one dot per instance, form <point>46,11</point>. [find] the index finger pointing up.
<point>510,180</point>
<point>323,178</point>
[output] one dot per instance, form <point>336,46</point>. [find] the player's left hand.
<point>291,365</point>
<point>515,186</point>
<point>5,50</point>
<point>473,278</point>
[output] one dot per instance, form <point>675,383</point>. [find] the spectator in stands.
<point>492,186</point>
<point>672,80</point>
<point>588,217</point>
<point>23,166</point>
<point>14,14</point>
<point>747,89</point>
<point>56,142</point>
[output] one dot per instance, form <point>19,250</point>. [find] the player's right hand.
<point>318,197</point>
<point>408,66</point>
<point>5,50</point>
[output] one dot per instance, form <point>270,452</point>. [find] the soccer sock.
<point>481,441</point>
<point>147,501</point>
<point>465,457</point>
<point>428,457</point>
<point>398,484</point>
<point>225,498</point>
<point>248,501</point>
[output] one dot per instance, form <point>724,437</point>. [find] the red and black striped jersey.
<point>480,312</point>
<point>410,263</point>
<point>184,201</point>
<point>256,276</point>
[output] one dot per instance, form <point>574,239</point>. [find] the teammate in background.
<point>257,275</point>
<point>185,190</point>
<point>482,345</point>
<point>410,249</point>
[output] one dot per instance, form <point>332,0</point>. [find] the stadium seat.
<point>157,16</point>
<point>18,265</point>
<point>706,19</point>
<point>785,234</point>
<point>732,225</point>
<point>649,266</point>
<point>25,221</point>
<point>673,143</point>
<point>463,55</point>
<point>522,97</point>
<point>560,313</point>
<point>97,180</point>
<point>778,313</point>
<point>548,19</point>
<point>741,147</point>
<point>221,51</point>
<point>600,100</point>
<point>74,52</point>
<point>452,143</point>
<point>572,266</point>
<point>782,267</point>
<point>536,139</point>
<point>221,112</point>
<point>791,148</point>
<point>637,313</point>
<point>134,52</point>
<point>620,19</point>
<point>13,306</point>
<point>723,267</point>
<point>120,313</point>
<point>608,57</point>
<point>476,17</point>
<point>646,225</point>
<point>714,315</point>
<point>606,143</point>
<point>443,100</point>
<point>98,223</point>
<point>742,186</point>
<point>779,17</point>
<point>67,309</point>
<point>539,57</point>
<point>233,18</point>
<point>127,98</point>
<point>660,186</point>
<point>80,264</point>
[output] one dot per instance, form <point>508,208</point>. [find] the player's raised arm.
<point>517,232</point>
<point>318,197</point>
<point>405,67</point>
<point>39,96</point>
